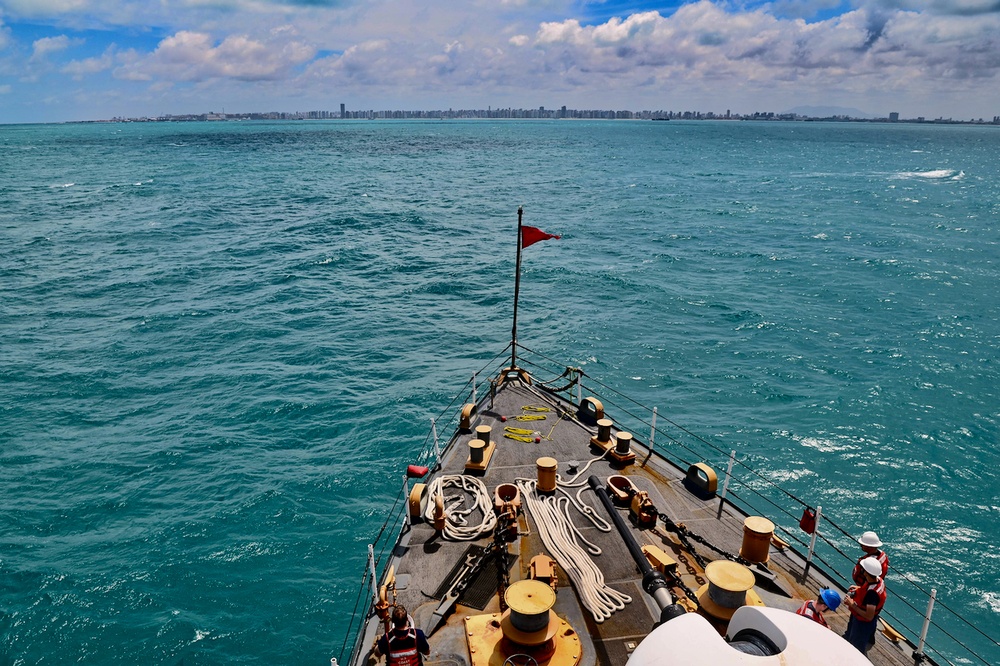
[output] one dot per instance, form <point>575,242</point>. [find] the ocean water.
<point>221,343</point>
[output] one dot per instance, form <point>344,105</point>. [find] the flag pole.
<point>517,289</point>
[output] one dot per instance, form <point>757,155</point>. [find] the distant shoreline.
<point>532,114</point>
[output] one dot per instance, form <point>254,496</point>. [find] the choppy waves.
<point>222,343</point>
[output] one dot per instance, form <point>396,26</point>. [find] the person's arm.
<point>868,610</point>
<point>422,645</point>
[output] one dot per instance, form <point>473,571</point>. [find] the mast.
<point>517,289</point>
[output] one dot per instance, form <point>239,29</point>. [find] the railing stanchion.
<point>437,448</point>
<point>652,438</point>
<point>812,542</point>
<point>918,656</point>
<point>475,375</point>
<point>371,570</point>
<point>725,484</point>
<point>406,498</point>
<point>579,387</point>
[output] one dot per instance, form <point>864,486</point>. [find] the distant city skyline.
<point>69,60</point>
<point>513,113</point>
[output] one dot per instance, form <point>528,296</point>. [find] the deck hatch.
<point>483,585</point>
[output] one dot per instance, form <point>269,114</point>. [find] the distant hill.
<point>829,111</point>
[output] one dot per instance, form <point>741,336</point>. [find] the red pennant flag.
<point>531,235</point>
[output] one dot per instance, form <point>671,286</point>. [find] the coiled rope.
<point>568,546</point>
<point>456,526</point>
<point>520,434</point>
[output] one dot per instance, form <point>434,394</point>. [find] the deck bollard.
<point>546,474</point>
<point>757,532</point>
<point>477,448</point>
<point>623,443</point>
<point>483,432</point>
<point>604,430</point>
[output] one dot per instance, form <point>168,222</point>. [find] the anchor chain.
<point>676,580</point>
<point>683,533</point>
<point>474,566</point>
<point>566,373</point>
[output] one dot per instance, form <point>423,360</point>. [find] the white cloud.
<point>193,56</point>
<point>44,8</point>
<point>943,7</point>
<point>42,48</point>
<point>702,44</point>
<point>5,89</point>
<point>80,68</point>
<point>4,36</point>
<point>416,53</point>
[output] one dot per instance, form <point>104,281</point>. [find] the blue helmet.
<point>830,598</point>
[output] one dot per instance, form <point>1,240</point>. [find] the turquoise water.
<point>222,342</point>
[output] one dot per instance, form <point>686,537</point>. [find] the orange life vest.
<point>859,598</point>
<point>859,573</point>
<point>808,609</point>
<point>403,648</point>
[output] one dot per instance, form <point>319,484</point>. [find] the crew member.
<point>865,603</point>
<point>404,645</point>
<point>827,600</point>
<point>870,543</point>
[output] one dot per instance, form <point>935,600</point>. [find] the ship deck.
<point>424,561</point>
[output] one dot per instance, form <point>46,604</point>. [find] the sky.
<point>63,60</point>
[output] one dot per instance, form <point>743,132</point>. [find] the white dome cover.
<point>690,639</point>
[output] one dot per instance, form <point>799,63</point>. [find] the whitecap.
<point>992,600</point>
<point>936,174</point>
<point>825,445</point>
<point>783,476</point>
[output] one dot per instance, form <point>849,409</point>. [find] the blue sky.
<point>93,59</point>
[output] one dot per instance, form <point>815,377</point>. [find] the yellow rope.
<point>561,417</point>
<point>520,434</point>
<point>525,434</point>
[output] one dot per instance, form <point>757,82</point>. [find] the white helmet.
<point>872,566</point>
<point>870,539</point>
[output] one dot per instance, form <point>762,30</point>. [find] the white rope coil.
<point>456,526</point>
<point>566,544</point>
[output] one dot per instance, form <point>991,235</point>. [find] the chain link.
<point>683,533</point>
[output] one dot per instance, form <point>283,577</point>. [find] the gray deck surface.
<point>427,558</point>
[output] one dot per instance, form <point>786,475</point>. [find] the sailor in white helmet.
<point>871,544</point>
<point>865,603</point>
